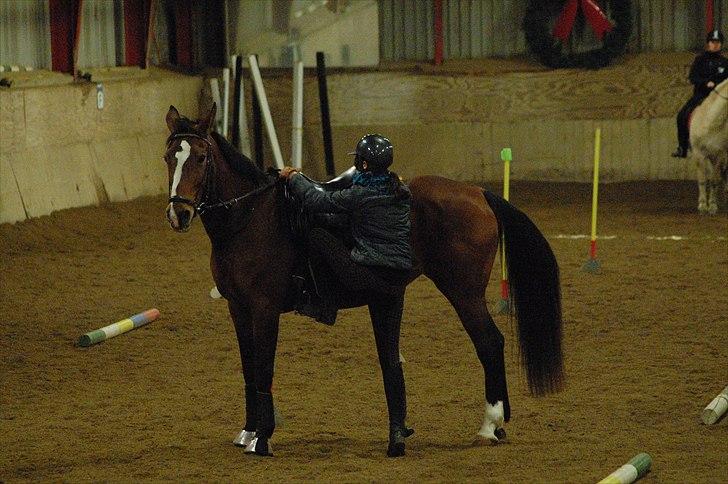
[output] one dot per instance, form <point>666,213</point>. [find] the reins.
<point>201,207</point>
<point>719,94</point>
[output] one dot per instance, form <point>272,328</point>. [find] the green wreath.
<point>549,50</point>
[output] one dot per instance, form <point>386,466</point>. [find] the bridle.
<point>200,204</point>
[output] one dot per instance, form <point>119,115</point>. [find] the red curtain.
<point>64,17</point>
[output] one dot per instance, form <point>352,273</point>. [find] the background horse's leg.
<point>701,163</point>
<point>386,314</point>
<point>714,184</point>
<point>244,332</point>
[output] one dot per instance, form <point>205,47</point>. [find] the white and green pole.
<point>716,408</point>
<point>636,468</point>
<point>504,305</point>
<point>118,327</point>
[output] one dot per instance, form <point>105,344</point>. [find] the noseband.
<point>200,205</point>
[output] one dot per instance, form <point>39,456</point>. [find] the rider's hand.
<point>710,84</point>
<point>287,172</point>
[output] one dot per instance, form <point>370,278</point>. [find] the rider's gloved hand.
<point>287,172</point>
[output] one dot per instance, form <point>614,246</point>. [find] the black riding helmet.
<point>376,150</point>
<point>714,35</point>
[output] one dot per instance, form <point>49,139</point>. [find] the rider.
<point>379,264</point>
<point>708,70</point>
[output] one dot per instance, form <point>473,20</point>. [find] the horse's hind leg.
<point>489,343</point>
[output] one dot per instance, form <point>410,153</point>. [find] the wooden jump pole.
<point>716,408</point>
<point>240,137</point>
<point>118,327</point>
<point>225,101</point>
<point>257,127</point>
<point>637,467</point>
<point>297,119</point>
<point>592,265</point>
<point>504,305</point>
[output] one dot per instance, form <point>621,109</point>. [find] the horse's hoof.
<point>395,449</point>
<point>244,438</point>
<point>259,446</point>
<point>495,437</point>
<point>396,441</point>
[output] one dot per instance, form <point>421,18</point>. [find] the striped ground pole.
<point>716,408</point>
<point>118,327</point>
<point>636,468</point>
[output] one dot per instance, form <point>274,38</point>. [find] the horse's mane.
<point>238,161</point>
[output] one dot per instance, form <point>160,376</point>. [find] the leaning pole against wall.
<point>257,127</point>
<point>240,137</point>
<point>263,100</point>
<point>325,120</point>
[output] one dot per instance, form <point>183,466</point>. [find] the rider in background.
<point>708,70</point>
<point>379,264</point>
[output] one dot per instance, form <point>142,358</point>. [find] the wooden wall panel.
<point>547,117</point>
<point>60,151</point>
<point>11,203</point>
<point>476,29</point>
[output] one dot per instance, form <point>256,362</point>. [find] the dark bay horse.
<point>455,234</point>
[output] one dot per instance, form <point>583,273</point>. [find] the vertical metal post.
<point>325,120</point>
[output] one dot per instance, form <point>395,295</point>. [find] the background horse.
<point>455,234</point>
<point>709,142</point>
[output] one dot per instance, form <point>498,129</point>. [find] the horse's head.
<point>189,164</point>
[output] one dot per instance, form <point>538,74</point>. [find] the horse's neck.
<point>224,223</point>
<point>228,183</point>
<point>718,107</point>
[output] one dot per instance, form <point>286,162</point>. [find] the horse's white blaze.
<point>181,156</point>
<point>493,420</point>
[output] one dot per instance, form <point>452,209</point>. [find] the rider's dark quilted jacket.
<point>380,222</point>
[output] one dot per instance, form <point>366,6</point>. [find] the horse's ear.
<point>172,118</point>
<point>206,124</point>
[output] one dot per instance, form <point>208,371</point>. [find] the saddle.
<point>300,222</point>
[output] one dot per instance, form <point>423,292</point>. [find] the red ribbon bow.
<point>594,15</point>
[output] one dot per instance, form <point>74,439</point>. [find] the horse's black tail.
<point>533,278</point>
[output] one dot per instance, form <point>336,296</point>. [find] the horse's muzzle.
<point>180,215</point>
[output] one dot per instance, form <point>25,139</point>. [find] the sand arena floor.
<point>646,346</point>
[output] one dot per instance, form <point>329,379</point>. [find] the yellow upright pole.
<point>504,306</point>
<point>592,265</point>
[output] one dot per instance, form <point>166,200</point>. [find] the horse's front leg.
<point>265,337</point>
<point>701,164</point>
<point>714,189</point>
<point>244,331</point>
